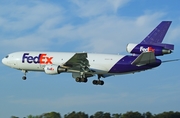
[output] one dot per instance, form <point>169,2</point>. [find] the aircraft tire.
<point>95,82</point>
<point>24,78</point>
<point>101,82</point>
<point>84,80</point>
<point>78,79</point>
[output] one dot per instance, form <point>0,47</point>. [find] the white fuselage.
<point>31,61</point>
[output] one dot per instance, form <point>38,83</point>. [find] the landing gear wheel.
<point>24,77</point>
<point>98,82</point>
<point>95,82</point>
<point>78,79</point>
<point>101,82</point>
<point>84,80</point>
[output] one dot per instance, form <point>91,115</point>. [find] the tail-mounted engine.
<point>54,69</point>
<point>158,50</point>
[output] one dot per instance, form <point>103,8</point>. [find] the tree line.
<point>101,114</point>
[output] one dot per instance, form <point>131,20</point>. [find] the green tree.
<point>169,114</point>
<point>101,114</point>
<point>148,115</point>
<point>51,115</point>
<point>116,115</point>
<point>132,115</point>
<point>98,114</point>
<point>31,116</point>
<point>14,117</point>
<point>106,115</point>
<point>76,115</point>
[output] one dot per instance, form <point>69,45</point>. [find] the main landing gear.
<point>78,79</point>
<point>24,77</point>
<point>82,78</point>
<point>98,82</point>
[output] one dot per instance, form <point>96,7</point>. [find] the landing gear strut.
<point>24,77</point>
<point>98,82</point>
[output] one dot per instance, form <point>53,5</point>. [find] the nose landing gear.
<point>24,77</point>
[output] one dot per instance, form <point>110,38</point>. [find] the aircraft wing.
<point>144,58</point>
<point>78,62</point>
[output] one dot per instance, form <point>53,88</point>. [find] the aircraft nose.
<point>4,61</point>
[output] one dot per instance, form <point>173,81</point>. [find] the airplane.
<point>83,65</point>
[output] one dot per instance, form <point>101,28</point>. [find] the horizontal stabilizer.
<point>170,60</point>
<point>144,58</point>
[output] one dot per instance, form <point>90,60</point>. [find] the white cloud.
<point>112,33</point>
<point>26,26</point>
<point>94,8</point>
<point>117,3</point>
<point>23,17</point>
<point>173,34</point>
<point>149,18</point>
<point>41,25</point>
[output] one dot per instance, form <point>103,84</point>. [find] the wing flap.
<point>144,58</point>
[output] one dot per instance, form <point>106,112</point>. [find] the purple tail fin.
<point>153,42</point>
<point>157,35</point>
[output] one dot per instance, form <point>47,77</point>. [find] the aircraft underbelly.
<point>31,67</point>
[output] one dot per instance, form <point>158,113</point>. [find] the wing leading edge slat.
<point>78,62</point>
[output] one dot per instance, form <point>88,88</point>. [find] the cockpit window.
<point>7,56</point>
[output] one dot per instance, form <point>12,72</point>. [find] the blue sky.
<point>100,26</point>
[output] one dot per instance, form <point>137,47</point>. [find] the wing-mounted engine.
<point>158,49</point>
<point>54,69</point>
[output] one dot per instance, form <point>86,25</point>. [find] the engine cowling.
<point>53,69</point>
<point>139,48</point>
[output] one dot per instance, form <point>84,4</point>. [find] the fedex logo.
<point>50,68</point>
<point>149,49</point>
<point>41,59</point>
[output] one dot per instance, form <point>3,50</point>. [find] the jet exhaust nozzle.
<point>166,51</point>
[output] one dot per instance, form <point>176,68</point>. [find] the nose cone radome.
<point>4,61</point>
